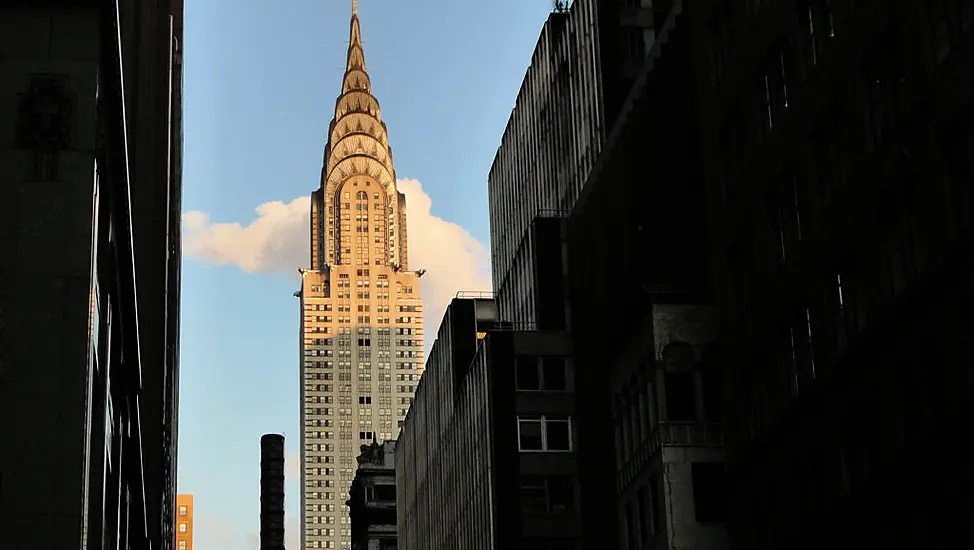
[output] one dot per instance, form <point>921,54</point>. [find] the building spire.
<point>356,56</point>
<point>358,145</point>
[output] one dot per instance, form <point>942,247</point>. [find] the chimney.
<point>272,492</point>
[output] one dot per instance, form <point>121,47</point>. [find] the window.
<point>681,402</point>
<point>528,377</point>
<point>652,511</point>
<point>546,374</point>
<point>182,545</point>
<point>554,377</point>
<point>183,511</point>
<point>530,436</point>
<point>384,493</point>
<point>709,491</point>
<point>544,434</point>
<point>534,495</point>
<point>547,494</point>
<point>711,389</point>
<point>183,527</point>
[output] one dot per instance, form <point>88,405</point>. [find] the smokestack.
<point>272,492</point>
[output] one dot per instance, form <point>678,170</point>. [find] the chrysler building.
<point>361,314</point>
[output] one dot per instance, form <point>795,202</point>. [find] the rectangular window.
<point>554,376</point>
<point>544,434</point>
<point>547,374</point>
<point>183,511</point>
<point>642,516</point>
<point>653,511</point>
<point>547,494</point>
<point>530,435</point>
<point>528,378</point>
<point>183,527</point>
<point>534,495</point>
<point>681,402</point>
<point>709,491</point>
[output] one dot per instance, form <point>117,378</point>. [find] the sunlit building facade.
<point>361,321</point>
<point>184,522</point>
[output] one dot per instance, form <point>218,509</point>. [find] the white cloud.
<point>453,259</point>
<point>277,241</point>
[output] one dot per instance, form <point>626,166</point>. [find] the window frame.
<point>540,363</point>
<point>543,421</point>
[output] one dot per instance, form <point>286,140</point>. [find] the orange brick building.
<point>184,522</point>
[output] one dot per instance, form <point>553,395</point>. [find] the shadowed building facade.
<point>361,313</point>
<point>841,194</point>
<point>90,201</point>
<point>372,498</point>
<point>580,72</point>
<point>637,249</point>
<point>487,456</point>
<point>593,193</point>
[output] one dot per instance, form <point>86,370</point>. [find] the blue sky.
<point>260,85</point>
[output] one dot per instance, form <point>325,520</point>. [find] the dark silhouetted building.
<point>841,192</point>
<point>642,322</point>
<point>272,492</point>
<point>372,498</point>
<point>486,457</point>
<point>90,205</point>
<point>610,245</point>
<point>570,96</point>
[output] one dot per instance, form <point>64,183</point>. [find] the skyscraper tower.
<point>361,314</point>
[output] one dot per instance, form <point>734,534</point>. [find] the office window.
<point>183,527</point>
<point>709,491</point>
<point>549,434</point>
<point>546,374</point>
<point>554,376</point>
<point>534,495</point>
<point>547,494</point>
<point>182,545</point>
<point>183,511</point>
<point>530,436</point>
<point>528,377</point>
